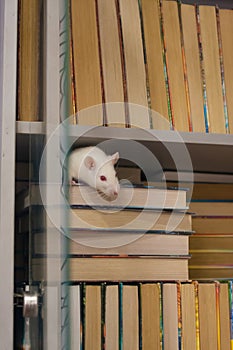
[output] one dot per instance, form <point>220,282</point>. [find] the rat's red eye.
<point>103,178</point>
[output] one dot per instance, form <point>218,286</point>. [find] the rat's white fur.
<point>87,164</point>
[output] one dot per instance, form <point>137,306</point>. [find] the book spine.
<point>186,85</point>
<point>180,343</point>
<point>222,71</point>
<point>230,283</point>
<point>160,285</point>
<point>165,68</point>
<point>206,109</point>
<point>197,315</point>
<point>217,292</point>
<point>121,316</point>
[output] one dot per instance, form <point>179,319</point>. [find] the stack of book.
<point>211,246</point>
<point>141,236</point>
<point>157,316</point>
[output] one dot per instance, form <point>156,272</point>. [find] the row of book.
<point>172,57</point>
<point>157,316</point>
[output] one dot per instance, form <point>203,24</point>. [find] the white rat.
<point>95,168</point>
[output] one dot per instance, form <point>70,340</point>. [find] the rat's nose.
<point>115,193</point>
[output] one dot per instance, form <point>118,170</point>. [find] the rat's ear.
<point>89,163</point>
<point>115,157</point>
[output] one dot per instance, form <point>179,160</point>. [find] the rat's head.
<point>104,175</point>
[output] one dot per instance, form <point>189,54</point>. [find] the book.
<point>29,57</point>
<point>208,311</point>
<point>126,243</point>
<point>175,65</point>
<point>93,317</point>
<point>130,196</point>
<point>210,273</point>
<point>212,208</point>
<point>112,318</point>
<point>213,242</point>
<point>214,191</point>
<point>111,62</point>
<point>86,62</point>
<point>211,66</point>
<point>213,225</point>
<point>170,316</point>
<point>135,73</point>
<point>230,284</point>
<point>102,222</point>
<point>154,59</point>
<point>224,316</point>
<point>206,191</point>
<point>75,324</point>
<point>130,317</point>
<point>147,197</point>
<point>205,258</point>
<point>185,176</point>
<point>226,27</point>
<point>128,269</point>
<point>192,62</point>
<point>150,315</point>
<point>188,316</point>
<point>147,220</point>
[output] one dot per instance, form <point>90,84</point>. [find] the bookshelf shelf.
<point>30,127</point>
<point>209,153</point>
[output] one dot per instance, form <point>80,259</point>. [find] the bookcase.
<point>23,141</point>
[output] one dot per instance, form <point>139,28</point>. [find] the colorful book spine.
<point>185,69</point>
<point>179,316</point>
<point>197,315</point>
<point>222,71</point>
<point>152,315</point>
<point>165,67</point>
<point>206,110</point>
